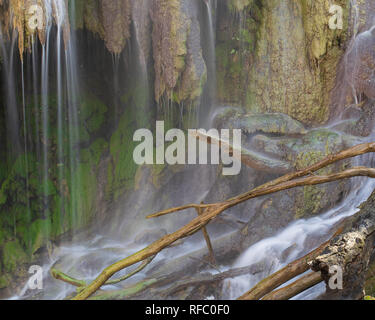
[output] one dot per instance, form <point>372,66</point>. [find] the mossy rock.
<point>122,171</point>
<point>13,256</point>
<point>94,152</point>
<point>5,281</point>
<point>315,146</point>
<point>275,123</point>
<point>239,5</point>
<point>92,113</point>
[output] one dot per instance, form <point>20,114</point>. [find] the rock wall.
<point>284,57</point>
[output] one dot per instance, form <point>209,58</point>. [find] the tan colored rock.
<point>285,76</point>
<point>116,17</point>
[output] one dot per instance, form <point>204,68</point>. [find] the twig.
<point>172,210</point>
<point>208,240</point>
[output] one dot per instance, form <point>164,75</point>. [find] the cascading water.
<point>210,102</point>
<point>34,108</point>
<point>61,69</point>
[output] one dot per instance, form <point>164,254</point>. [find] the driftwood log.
<point>351,251</point>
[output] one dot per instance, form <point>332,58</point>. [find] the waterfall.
<point>36,67</point>
<point>67,73</point>
<point>210,102</point>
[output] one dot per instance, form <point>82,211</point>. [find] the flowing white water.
<point>89,257</point>
<point>211,6</point>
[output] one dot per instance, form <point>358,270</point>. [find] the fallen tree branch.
<point>350,249</point>
<point>290,291</point>
<point>158,284</point>
<point>144,264</point>
<point>208,240</point>
<point>282,183</point>
<point>59,275</point>
<point>182,208</point>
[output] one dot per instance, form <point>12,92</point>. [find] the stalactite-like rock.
<point>177,51</point>
<point>169,37</point>
<point>194,76</point>
<point>239,5</point>
<point>16,8</point>
<point>116,23</point>
<point>18,14</point>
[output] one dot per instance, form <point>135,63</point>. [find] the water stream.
<point>52,87</point>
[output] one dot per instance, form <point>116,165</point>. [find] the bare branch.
<point>300,285</point>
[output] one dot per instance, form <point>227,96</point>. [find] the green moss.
<point>94,152</point>
<point>235,50</point>
<point>2,235</point>
<point>123,294</point>
<point>5,281</point>
<point>121,150</point>
<point>39,233</point>
<point>82,195</point>
<point>370,280</point>
<point>239,5</point>
<point>13,256</point>
<point>315,146</point>
<point>92,115</point>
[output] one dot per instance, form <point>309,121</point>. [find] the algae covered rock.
<point>276,123</point>
<point>180,70</point>
<point>116,23</point>
<point>13,256</point>
<point>283,58</point>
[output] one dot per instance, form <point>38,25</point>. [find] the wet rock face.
<point>284,54</point>
<point>360,64</point>
<point>276,123</point>
<point>178,61</point>
<point>116,23</point>
<point>285,78</point>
